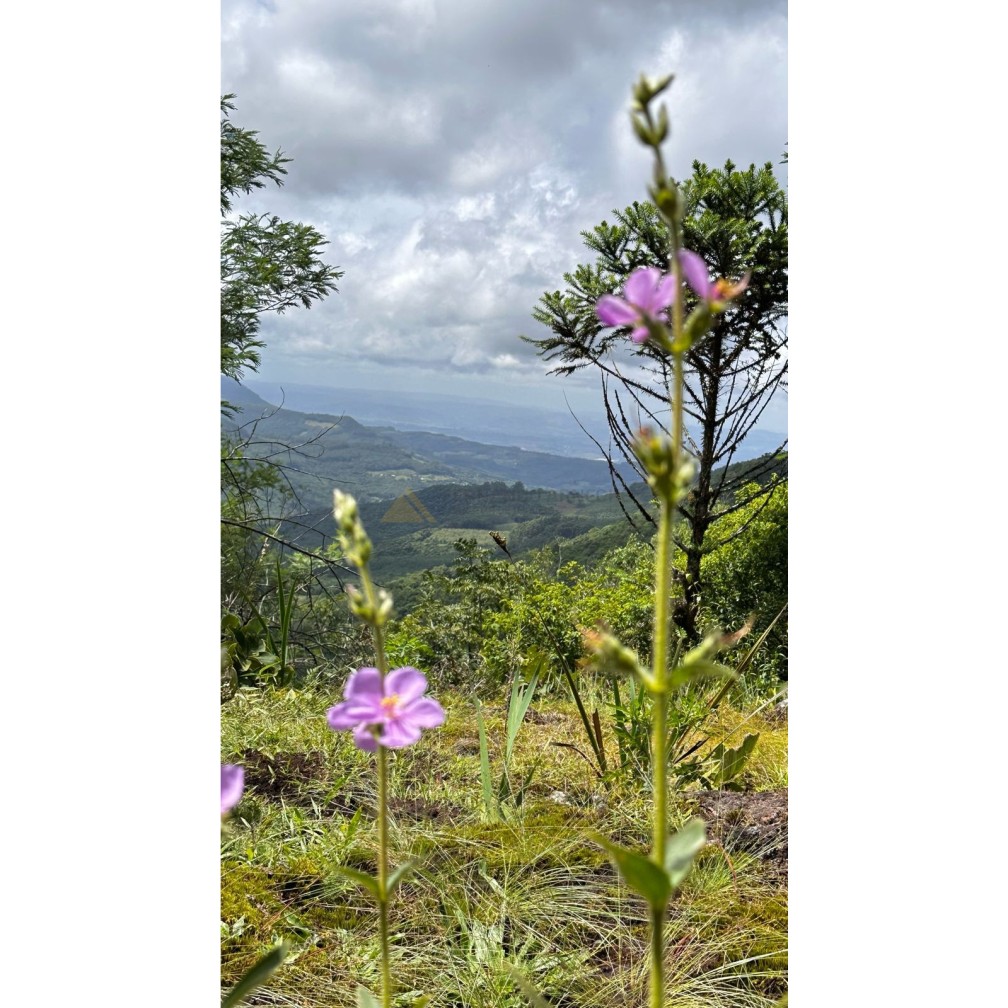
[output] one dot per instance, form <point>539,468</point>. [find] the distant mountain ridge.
<point>486,421</point>
<point>322,450</point>
<point>474,419</point>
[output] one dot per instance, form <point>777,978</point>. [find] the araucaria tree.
<point>737,222</point>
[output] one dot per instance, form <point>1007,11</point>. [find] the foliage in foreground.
<point>533,890</point>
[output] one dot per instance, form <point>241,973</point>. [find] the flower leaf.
<point>256,976</point>
<point>365,999</point>
<point>681,848</point>
<point>639,872</point>
<point>398,875</point>
<point>369,882</point>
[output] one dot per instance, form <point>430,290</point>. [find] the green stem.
<point>663,585</point>
<point>379,637</point>
<point>657,959</point>
<point>383,922</point>
<point>659,734</point>
<point>383,875</point>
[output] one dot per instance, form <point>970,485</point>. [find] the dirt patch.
<point>282,775</point>
<point>755,822</point>
<point>422,810</point>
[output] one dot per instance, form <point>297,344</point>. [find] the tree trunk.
<point>686,613</point>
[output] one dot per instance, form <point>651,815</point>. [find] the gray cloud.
<point>453,151</point>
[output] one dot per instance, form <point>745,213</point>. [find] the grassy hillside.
<point>414,532</point>
<point>417,531</point>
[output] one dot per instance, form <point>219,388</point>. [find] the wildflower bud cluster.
<point>353,539</point>
<point>374,613</point>
<point>652,131</point>
<point>670,480</point>
<point>645,91</point>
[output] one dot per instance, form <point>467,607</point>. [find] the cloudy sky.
<point>453,150</point>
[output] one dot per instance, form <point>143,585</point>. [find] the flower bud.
<point>644,132</point>
<point>384,607</point>
<point>662,125</point>
<point>349,530</point>
<point>666,197</point>
<point>656,455</point>
<point>645,90</point>
<point>345,511</point>
<point>359,605</point>
<point>695,328</point>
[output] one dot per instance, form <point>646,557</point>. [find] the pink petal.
<point>640,335</point>
<point>640,286</point>
<point>613,311</point>
<point>364,685</point>
<point>666,292</point>
<point>363,739</point>
<point>695,271</point>
<point>424,713</point>
<point>399,733</point>
<point>344,716</point>
<point>232,783</point>
<point>406,683</point>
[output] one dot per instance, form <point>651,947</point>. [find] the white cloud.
<point>453,152</point>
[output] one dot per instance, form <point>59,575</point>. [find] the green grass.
<point>534,891</point>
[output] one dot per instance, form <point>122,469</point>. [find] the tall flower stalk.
<point>649,298</point>
<point>384,710</point>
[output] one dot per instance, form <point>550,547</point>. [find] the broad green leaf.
<point>256,976</point>
<point>729,762</point>
<point>525,986</point>
<point>365,999</point>
<point>399,874</point>
<point>639,872</point>
<point>369,882</point>
<point>681,848</point>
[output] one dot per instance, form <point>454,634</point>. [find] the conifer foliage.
<point>736,222</point>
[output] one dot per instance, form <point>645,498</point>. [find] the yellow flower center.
<point>390,703</point>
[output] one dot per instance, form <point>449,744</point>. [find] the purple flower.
<point>717,293</point>
<point>646,296</point>
<point>232,783</point>
<point>396,705</point>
